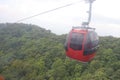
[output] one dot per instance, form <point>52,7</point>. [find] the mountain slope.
<point>29,52</point>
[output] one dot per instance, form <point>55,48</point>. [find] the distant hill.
<point>29,52</point>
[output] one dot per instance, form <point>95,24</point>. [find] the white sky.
<point>105,14</point>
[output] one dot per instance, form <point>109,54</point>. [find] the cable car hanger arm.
<point>86,24</point>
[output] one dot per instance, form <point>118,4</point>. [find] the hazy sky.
<point>105,14</point>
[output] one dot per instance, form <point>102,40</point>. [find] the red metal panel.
<point>78,54</point>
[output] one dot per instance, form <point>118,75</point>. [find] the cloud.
<point>105,20</point>
<point>108,8</point>
<point>61,21</point>
<point>108,30</point>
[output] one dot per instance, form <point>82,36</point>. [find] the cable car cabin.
<point>81,44</point>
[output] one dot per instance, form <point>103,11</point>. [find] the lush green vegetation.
<point>28,52</point>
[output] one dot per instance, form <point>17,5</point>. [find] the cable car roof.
<point>83,28</point>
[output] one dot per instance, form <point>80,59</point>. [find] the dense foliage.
<point>28,52</point>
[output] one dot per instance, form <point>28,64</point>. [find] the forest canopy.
<point>29,52</point>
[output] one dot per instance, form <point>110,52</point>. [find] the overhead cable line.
<point>48,11</point>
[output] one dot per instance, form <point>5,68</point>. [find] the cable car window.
<point>66,43</point>
<point>91,43</point>
<point>88,43</point>
<point>94,39</point>
<point>76,41</point>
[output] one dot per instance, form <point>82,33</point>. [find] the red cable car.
<point>82,44</point>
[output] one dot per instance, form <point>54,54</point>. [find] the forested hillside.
<point>29,52</point>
